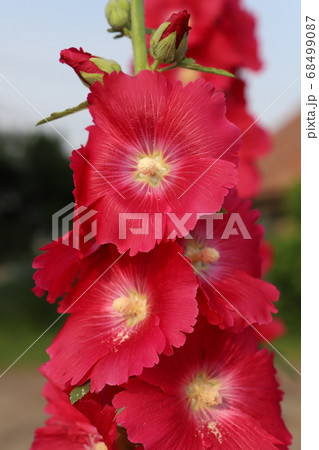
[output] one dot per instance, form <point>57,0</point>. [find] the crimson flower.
<point>217,391</point>
<point>267,253</point>
<point>125,312</point>
<point>271,331</point>
<point>156,148</point>
<point>256,141</point>
<point>229,268</point>
<point>87,424</point>
<point>60,263</point>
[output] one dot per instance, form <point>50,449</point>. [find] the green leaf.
<point>189,63</point>
<point>79,392</point>
<point>67,112</point>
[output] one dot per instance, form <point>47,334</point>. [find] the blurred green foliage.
<point>286,271</point>
<point>35,182</point>
<point>281,218</point>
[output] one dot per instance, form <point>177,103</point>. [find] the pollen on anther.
<point>151,169</point>
<point>133,308</point>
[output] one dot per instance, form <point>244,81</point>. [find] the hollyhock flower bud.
<point>88,67</point>
<point>223,34</point>
<point>169,42</point>
<point>117,13</point>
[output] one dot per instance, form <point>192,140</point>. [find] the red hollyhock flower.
<point>248,178</point>
<point>267,253</point>
<point>271,331</point>
<point>156,147</point>
<point>229,267</point>
<point>87,424</point>
<point>124,315</point>
<point>217,391</point>
<point>58,267</point>
<point>256,142</point>
<point>56,270</point>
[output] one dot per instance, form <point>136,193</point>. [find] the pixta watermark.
<point>67,225</point>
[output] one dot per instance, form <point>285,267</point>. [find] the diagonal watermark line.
<point>250,126</point>
<point>59,133</point>
<point>58,318</point>
<point>243,317</point>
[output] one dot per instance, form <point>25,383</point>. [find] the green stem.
<point>138,35</point>
<point>155,64</point>
<point>163,69</point>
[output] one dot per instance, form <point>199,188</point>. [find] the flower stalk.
<point>138,35</point>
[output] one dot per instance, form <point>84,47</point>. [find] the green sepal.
<point>67,112</point>
<point>107,65</point>
<point>157,34</point>
<point>181,49</point>
<point>118,411</point>
<point>91,78</point>
<point>190,63</point>
<point>79,392</point>
<point>164,50</point>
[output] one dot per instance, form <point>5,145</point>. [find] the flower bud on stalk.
<point>169,41</point>
<point>88,67</point>
<point>117,13</point>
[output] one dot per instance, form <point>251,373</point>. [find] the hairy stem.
<point>67,112</point>
<point>138,35</point>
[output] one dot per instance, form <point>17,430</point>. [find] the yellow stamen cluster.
<point>201,256</point>
<point>133,307</point>
<point>151,169</point>
<point>100,446</point>
<point>203,393</point>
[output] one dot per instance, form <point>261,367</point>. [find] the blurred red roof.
<point>281,168</point>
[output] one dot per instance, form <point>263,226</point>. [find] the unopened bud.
<point>169,41</point>
<point>118,14</point>
<point>88,67</point>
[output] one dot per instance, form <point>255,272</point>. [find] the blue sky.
<point>33,33</point>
